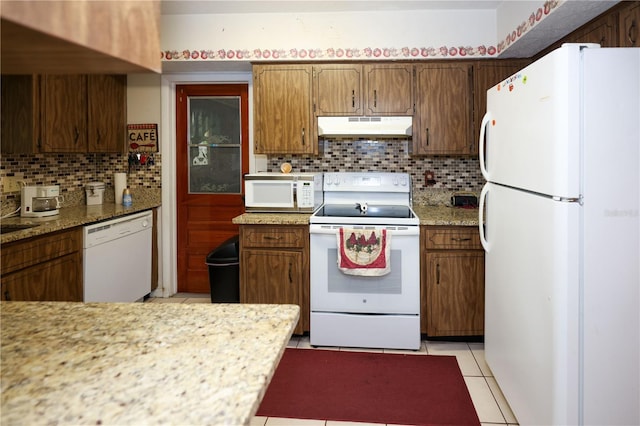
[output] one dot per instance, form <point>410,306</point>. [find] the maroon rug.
<point>369,387</point>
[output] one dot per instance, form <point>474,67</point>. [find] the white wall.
<point>143,98</point>
<point>347,30</point>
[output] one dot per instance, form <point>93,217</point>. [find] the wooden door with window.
<point>212,156</point>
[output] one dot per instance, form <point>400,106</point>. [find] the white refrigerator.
<point>559,221</point>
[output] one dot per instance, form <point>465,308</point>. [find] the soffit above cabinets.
<point>85,37</point>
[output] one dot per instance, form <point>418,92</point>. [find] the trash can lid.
<point>225,253</point>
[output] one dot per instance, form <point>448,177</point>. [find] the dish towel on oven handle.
<point>364,252</point>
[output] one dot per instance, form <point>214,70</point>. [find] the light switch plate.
<point>10,184</point>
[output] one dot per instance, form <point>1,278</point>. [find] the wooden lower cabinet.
<point>274,267</point>
<point>46,268</point>
<point>452,289</point>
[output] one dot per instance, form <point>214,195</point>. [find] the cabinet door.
<point>338,89</point>
<point>20,112</point>
<point>442,122</point>
<point>487,74</point>
<point>455,293</point>
<point>56,280</point>
<point>629,26</point>
<point>64,113</point>
<point>601,31</point>
<point>389,89</point>
<point>107,106</point>
<point>272,276</point>
<point>283,109</point>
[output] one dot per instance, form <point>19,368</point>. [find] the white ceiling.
<point>189,7</point>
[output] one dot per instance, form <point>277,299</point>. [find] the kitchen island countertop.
<point>133,363</point>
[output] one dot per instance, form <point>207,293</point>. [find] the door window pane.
<point>215,145</point>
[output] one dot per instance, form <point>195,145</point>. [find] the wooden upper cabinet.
<point>601,31</point>
<point>442,124</point>
<point>64,113</point>
<point>107,112</point>
<point>283,109</point>
<point>486,74</point>
<point>388,89</point>
<point>369,89</point>
<point>338,89</point>
<point>20,114</point>
<point>629,25</point>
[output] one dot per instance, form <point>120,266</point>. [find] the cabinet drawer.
<point>448,238</point>
<point>270,236</point>
<point>23,254</point>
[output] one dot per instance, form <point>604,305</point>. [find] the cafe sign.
<point>142,137</point>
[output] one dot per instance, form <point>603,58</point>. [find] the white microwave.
<point>283,192</point>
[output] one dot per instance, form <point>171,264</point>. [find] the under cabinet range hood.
<point>399,126</point>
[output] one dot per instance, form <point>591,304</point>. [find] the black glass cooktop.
<point>355,210</point>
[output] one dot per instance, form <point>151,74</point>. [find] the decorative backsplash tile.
<point>452,174</point>
<point>72,172</point>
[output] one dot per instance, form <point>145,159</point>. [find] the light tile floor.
<point>490,404</point>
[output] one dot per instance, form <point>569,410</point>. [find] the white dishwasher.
<point>117,259</point>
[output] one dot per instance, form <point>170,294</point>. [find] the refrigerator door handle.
<point>482,145</point>
<point>483,239</point>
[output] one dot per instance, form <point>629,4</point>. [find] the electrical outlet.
<point>10,184</point>
<point>429,178</point>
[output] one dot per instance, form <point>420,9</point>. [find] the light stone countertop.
<point>446,216</point>
<point>272,219</point>
<point>80,215</point>
<point>139,363</point>
<point>429,215</point>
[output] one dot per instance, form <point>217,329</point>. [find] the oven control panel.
<point>367,181</point>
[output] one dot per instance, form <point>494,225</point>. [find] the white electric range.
<point>360,305</point>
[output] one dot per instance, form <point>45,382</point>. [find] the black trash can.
<point>224,272</point>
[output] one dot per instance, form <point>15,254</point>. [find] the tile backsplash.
<point>452,174</point>
<point>72,172</point>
